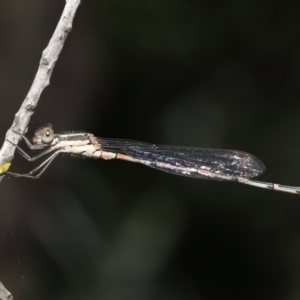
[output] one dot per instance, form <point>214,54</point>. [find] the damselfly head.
<point>44,135</point>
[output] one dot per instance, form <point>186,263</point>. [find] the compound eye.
<point>47,135</point>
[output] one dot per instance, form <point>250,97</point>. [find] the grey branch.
<point>41,80</point>
<point>4,293</point>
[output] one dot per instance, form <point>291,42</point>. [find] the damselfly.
<point>214,164</point>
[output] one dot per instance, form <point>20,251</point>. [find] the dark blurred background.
<point>183,72</point>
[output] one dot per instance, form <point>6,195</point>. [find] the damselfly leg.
<point>32,174</point>
<point>27,156</point>
<point>44,165</point>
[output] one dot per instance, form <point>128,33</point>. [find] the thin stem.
<point>4,293</point>
<point>41,80</point>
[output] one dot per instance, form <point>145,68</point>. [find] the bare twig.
<point>41,80</point>
<point>4,293</point>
